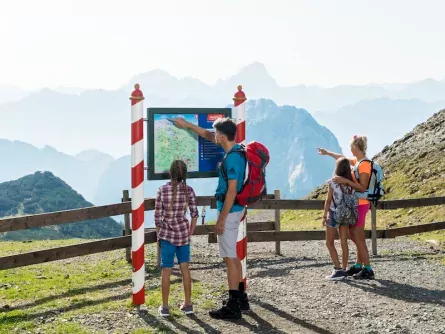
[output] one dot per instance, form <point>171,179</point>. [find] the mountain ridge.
<point>23,159</point>
<point>43,192</point>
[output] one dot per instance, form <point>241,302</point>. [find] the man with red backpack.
<point>233,193</point>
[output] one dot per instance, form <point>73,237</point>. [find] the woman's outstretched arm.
<point>336,156</point>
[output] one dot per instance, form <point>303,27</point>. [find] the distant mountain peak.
<point>256,66</point>
<point>92,154</point>
<point>254,71</point>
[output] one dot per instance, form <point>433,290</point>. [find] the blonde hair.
<point>361,142</point>
<point>178,174</point>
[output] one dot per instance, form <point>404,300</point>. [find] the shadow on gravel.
<point>156,323</point>
<point>263,325</point>
<point>194,266</point>
<point>405,292</point>
<point>207,328</point>
<point>292,263</point>
<point>291,318</point>
<point>263,263</point>
<point>182,328</point>
<point>403,257</point>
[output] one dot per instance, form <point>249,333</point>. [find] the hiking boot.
<point>229,311</point>
<point>364,274</point>
<point>164,311</point>
<point>243,301</point>
<point>187,309</point>
<point>352,270</point>
<point>337,275</point>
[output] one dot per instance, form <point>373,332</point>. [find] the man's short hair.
<point>226,126</point>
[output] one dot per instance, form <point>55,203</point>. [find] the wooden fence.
<point>373,234</point>
<point>257,231</point>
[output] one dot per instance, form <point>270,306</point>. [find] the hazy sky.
<point>102,43</point>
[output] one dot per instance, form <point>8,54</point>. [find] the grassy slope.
<point>408,175</point>
<point>96,284</point>
<point>309,219</point>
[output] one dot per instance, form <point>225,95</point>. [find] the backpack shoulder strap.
<point>357,165</point>
<point>241,151</point>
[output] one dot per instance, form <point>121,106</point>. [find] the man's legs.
<point>233,272</point>
<point>244,303</point>
<point>241,286</point>
<point>227,249</point>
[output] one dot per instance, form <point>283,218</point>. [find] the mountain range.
<point>73,119</point>
<point>82,171</point>
<point>62,122</point>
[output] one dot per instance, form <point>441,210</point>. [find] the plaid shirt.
<point>173,224</point>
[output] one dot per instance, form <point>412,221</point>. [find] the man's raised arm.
<point>182,123</point>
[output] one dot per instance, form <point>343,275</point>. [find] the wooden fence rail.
<point>257,232</point>
<point>66,252</point>
<point>87,248</point>
<point>252,226</point>
<point>265,236</point>
<point>95,212</point>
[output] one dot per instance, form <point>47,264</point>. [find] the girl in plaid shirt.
<point>174,231</point>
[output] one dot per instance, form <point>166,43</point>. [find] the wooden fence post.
<point>374,229</point>
<point>277,223</point>
<point>126,198</point>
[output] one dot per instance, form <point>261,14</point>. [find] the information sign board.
<point>167,142</point>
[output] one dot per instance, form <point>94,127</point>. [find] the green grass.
<point>19,247</point>
<point>95,284</point>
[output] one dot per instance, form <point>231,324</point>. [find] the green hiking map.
<point>171,143</point>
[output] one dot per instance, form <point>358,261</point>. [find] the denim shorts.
<point>168,252</point>
<point>331,221</point>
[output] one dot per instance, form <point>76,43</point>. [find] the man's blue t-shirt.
<point>235,167</point>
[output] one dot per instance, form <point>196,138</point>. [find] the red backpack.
<point>254,186</point>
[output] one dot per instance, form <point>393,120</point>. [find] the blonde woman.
<point>362,268</point>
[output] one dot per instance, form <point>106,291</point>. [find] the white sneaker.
<point>164,311</point>
<point>187,309</point>
<point>337,275</point>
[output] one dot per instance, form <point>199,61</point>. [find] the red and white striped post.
<point>240,119</point>
<point>137,196</point>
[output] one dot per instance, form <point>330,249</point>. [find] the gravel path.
<point>289,293</point>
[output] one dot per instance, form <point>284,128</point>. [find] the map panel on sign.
<point>172,143</point>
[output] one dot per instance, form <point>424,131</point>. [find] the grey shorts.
<point>227,240</point>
